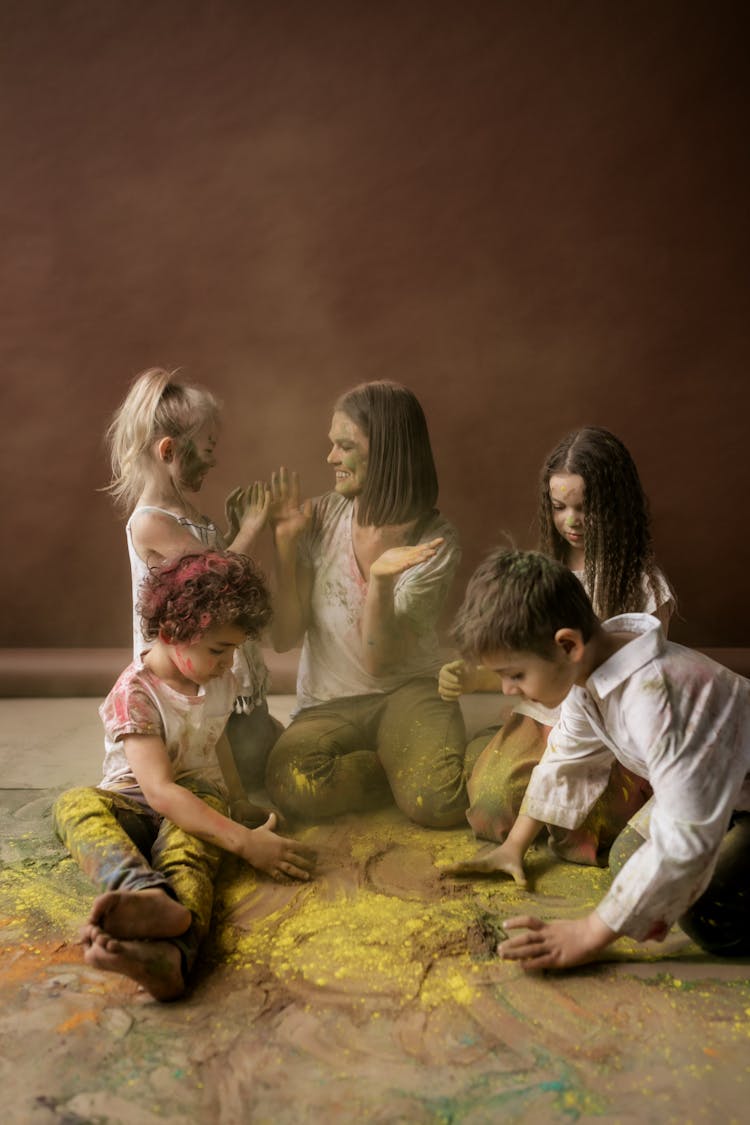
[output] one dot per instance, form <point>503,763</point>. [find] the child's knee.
<point>625,846</point>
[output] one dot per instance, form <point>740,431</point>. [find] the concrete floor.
<point>370,995</point>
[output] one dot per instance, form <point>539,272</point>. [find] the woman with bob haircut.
<point>361,576</point>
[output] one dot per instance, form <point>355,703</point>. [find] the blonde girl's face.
<point>196,457</point>
<point>348,456</point>
<point>566,494</point>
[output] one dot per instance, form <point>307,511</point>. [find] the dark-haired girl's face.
<point>349,451</point>
<point>566,494</point>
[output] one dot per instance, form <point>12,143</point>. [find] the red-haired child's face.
<point>210,656</point>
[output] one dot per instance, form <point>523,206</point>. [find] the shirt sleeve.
<point>421,591</point>
<point>572,773</point>
<point>695,791</point>
<point>130,709</point>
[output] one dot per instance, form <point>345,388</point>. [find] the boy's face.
<point>210,656</point>
<point>545,680</point>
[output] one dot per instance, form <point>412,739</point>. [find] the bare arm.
<point>507,858</point>
<point>559,944</point>
<point>385,636</point>
<point>247,513</point>
<point>289,519</point>
<point>260,847</point>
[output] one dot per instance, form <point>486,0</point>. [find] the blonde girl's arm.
<point>157,537</point>
<point>289,519</point>
<point>260,847</point>
<point>246,512</point>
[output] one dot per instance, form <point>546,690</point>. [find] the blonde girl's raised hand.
<point>278,856</point>
<point>287,516</point>
<point>246,512</point>
<point>396,560</point>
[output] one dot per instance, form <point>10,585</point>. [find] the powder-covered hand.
<point>278,856</point>
<point>559,944</point>
<point>396,560</point>
<point>504,859</point>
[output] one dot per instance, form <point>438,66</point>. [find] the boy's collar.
<point>648,642</point>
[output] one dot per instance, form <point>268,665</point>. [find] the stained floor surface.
<point>370,995</point>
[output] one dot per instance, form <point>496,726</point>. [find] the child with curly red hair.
<point>150,836</point>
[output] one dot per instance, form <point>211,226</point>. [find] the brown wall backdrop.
<point>534,214</point>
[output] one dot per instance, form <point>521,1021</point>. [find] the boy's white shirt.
<point>657,596</point>
<point>678,719</point>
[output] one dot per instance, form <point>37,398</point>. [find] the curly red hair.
<point>182,599</point>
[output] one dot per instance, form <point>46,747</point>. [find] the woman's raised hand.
<point>286,515</point>
<point>396,560</point>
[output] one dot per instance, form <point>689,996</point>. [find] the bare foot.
<point>140,914</point>
<point>155,965</point>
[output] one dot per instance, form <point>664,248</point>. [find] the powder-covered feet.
<point>149,913</point>
<point>155,965</point>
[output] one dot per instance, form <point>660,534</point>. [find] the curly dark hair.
<point>516,601</point>
<point>617,529</point>
<point>184,598</point>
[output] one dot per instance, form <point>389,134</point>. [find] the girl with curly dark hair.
<point>150,836</point>
<point>593,516</point>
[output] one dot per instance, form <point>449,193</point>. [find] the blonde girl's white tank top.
<point>249,666</point>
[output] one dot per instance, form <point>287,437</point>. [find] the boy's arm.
<point>558,944</point>
<point>507,858</point>
<point>261,847</point>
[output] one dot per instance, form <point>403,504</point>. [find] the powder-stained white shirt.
<point>657,595</point>
<point>189,725</point>
<point>681,721</point>
<point>331,664</point>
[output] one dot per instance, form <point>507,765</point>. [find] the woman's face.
<point>348,456</point>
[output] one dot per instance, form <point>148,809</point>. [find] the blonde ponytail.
<point>156,406</point>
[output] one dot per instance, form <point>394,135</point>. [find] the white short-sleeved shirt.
<point>657,595</point>
<point>189,725</point>
<point>249,666</point>
<point>681,721</point>
<point>331,664</point>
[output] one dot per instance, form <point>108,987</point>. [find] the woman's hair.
<point>157,405</point>
<point>184,598</point>
<point>617,526</point>
<point>516,601</point>
<point>401,482</point>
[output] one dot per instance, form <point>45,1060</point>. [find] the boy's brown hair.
<point>517,600</point>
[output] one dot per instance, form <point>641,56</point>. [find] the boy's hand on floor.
<point>559,944</point>
<point>278,856</point>
<point>492,861</point>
